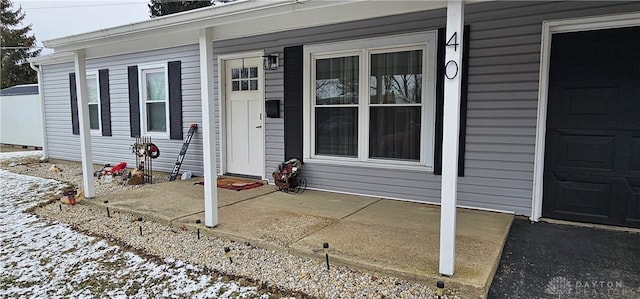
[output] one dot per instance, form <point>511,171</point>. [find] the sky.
<point>59,18</point>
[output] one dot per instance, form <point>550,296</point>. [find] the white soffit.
<point>245,18</point>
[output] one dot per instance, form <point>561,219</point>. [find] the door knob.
<point>258,127</point>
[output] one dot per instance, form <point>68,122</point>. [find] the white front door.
<point>244,119</point>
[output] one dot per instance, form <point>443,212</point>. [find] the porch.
<point>393,237</point>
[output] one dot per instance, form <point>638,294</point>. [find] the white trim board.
<point>548,29</point>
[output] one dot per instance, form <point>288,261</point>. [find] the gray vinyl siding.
<point>274,127</point>
<point>501,114</point>
<point>62,144</point>
<point>504,62</point>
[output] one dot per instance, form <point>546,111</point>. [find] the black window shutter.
<point>462,141</point>
<point>437,151</point>
<point>293,68</point>
<point>437,163</point>
<point>175,99</point>
<point>105,102</point>
<point>134,101</point>
<point>75,123</point>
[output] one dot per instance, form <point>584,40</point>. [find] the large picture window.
<point>372,101</point>
<point>154,104</point>
<point>93,97</point>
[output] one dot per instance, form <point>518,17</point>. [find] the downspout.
<point>45,152</point>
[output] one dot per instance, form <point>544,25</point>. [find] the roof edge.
<point>170,20</point>
<point>52,58</point>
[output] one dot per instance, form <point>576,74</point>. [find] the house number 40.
<point>451,67</point>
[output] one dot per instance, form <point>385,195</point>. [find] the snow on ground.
<point>21,154</point>
<point>44,260</point>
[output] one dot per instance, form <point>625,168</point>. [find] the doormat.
<point>237,184</point>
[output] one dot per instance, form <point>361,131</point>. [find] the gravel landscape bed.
<point>277,273</point>
<point>42,258</point>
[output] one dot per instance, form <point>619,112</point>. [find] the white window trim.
<point>363,48</point>
<point>142,68</point>
<point>98,131</point>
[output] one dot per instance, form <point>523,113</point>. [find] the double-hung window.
<point>395,106</point>
<point>371,101</point>
<point>154,100</point>
<point>336,105</point>
<point>93,98</point>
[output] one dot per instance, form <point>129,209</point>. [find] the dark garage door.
<point>592,152</point>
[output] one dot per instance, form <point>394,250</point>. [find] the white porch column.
<point>208,128</point>
<point>451,130</point>
<point>83,119</point>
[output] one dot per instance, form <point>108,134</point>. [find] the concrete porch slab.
<point>402,239</point>
<point>263,227</point>
<point>317,203</point>
<point>393,237</point>
<point>173,200</point>
<point>279,219</point>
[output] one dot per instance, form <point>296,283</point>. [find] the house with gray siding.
<point>546,120</point>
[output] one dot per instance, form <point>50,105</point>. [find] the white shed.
<point>21,116</point>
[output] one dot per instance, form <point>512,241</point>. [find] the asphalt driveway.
<point>543,260</point>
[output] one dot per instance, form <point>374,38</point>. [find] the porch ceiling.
<point>244,18</point>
